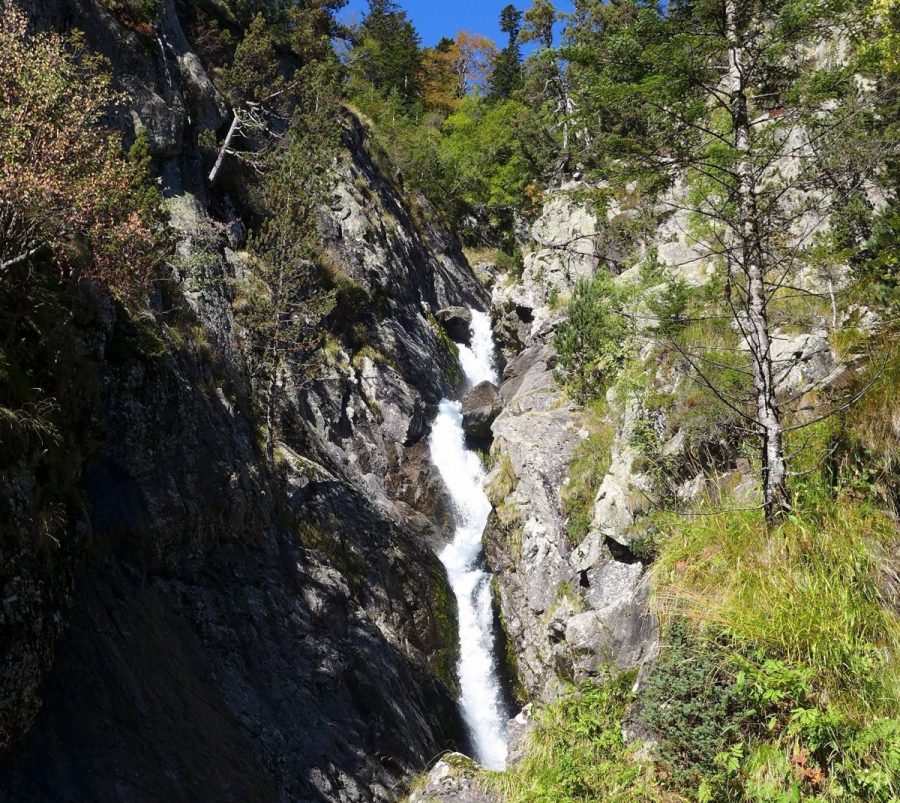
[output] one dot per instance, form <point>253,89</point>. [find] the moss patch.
<point>351,565</point>
<point>589,466</point>
<point>444,660</point>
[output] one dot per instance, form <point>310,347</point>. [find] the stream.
<point>481,689</point>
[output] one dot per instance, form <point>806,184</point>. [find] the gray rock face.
<point>567,611</point>
<point>623,494</point>
<point>374,403</point>
<point>296,619</point>
<point>803,362</point>
<point>564,248</point>
<point>480,407</point>
<point>198,607</point>
<point>452,780</point>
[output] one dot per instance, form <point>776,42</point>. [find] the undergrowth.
<point>577,753</point>
<point>799,630</point>
<point>777,681</point>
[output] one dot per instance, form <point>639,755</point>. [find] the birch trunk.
<point>771,429</point>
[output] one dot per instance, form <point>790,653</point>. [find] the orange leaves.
<point>455,69</point>
<point>805,769</point>
<point>62,168</point>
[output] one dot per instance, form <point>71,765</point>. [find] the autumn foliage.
<point>66,186</point>
<point>454,69</point>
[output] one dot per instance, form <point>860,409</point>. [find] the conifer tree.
<point>388,51</point>
<point>539,21</point>
<point>287,303</point>
<point>507,75</point>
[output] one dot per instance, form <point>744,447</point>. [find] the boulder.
<point>480,407</point>
<point>454,779</point>
<point>456,322</point>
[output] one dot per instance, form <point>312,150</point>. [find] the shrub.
<point>870,429</point>
<point>693,704</point>
<point>65,183</point>
<point>594,342</point>
<point>670,306</point>
<point>805,622</point>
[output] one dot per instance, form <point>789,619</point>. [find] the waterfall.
<point>481,694</point>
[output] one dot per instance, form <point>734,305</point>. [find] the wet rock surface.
<point>456,322</point>
<point>480,408</point>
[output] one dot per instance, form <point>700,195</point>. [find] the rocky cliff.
<point>198,624</point>
<point>574,599</point>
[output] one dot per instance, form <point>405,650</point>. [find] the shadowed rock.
<point>456,321</point>
<point>480,407</point>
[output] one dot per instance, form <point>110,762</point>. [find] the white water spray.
<point>481,695</point>
<point>477,360</point>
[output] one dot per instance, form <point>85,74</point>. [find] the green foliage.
<point>539,21</point>
<point>577,754</point>
<point>507,75</point>
<point>735,724</point>
<point>387,55</point>
<point>478,161</point>
<point>691,701</point>
<point>593,344</point>
<point>512,264</point>
<point>864,449</point>
<point>285,310</point>
<point>140,15</point>
<point>588,468</point>
<point>503,483</point>
<point>648,439</point>
<point>779,681</point>
<point>485,147</point>
<point>253,73</point>
<point>879,266</point>
<point>669,306</point>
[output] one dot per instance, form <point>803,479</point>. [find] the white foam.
<point>481,694</point>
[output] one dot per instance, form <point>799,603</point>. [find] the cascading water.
<point>481,694</point>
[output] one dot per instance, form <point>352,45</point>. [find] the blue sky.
<point>436,18</point>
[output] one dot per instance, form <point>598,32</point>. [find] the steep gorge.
<point>446,532</point>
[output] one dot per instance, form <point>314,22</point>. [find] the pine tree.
<point>507,76</point>
<point>388,52</point>
<point>539,21</point>
<point>287,304</point>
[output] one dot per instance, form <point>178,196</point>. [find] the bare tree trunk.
<point>232,129</point>
<point>271,409</point>
<point>774,468</point>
